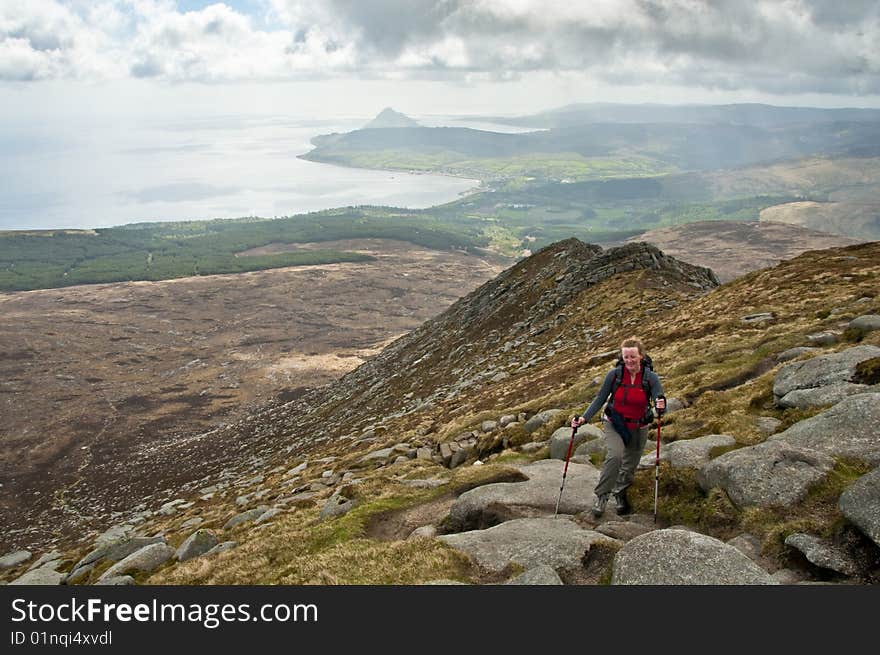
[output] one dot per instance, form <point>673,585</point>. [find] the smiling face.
<point>632,360</point>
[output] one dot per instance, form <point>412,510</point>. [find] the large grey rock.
<point>118,550</point>
<point>543,574</point>
<point>561,438</point>
<point>296,470</point>
<point>822,396</point>
<point>268,515</point>
<point>623,530</point>
<point>483,505</point>
<point>860,504</point>
<point>78,575</point>
<point>583,452</point>
<point>767,425</point>
<point>787,577</point>
<point>198,543</point>
<point>116,581</point>
<point>245,517</point>
<point>219,548</point>
<point>506,420</point>
<point>671,556</point>
<point>770,473</point>
<point>41,576</point>
<point>849,429</point>
<point>337,505</point>
<point>540,419</point>
<point>823,338</point>
<point>115,534</point>
<point>147,559</point>
<point>558,542</point>
<point>866,323</point>
<point>11,560</point>
<point>689,453</point>
<point>748,544</point>
<point>823,371</point>
<point>380,455</point>
<point>824,554</point>
<point>52,560</point>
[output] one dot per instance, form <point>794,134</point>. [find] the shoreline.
<point>481,184</point>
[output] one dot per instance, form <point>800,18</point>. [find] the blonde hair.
<point>633,342</point>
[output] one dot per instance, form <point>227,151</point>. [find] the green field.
<point>160,251</point>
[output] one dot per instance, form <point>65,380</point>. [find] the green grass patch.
<point>682,501</point>
<point>817,514</point>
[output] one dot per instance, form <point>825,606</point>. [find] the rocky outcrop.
<point>822,380</point>
<point>849,429</point>
<point>11,560</point>
<point>560,440</point>
<point>557,542</point>
<point>146,560</point>
<point>492,503</point>
<point>669,557</point>
<point>865,323</point>
<point>246,517</point>
<point>114,551</point>
<point>540,419</point>
<point>768,474</point>
<point>543,574</point>
<point>860,504</point>
<point>824,554</point>
<point>197,544</point>
<point>689,453</point>
<point>44,575</point>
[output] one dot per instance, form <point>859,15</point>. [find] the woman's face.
<point>631,359</point>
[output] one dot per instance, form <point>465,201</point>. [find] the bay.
<point>88,174</point>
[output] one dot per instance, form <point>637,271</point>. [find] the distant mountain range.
<point>755,115</point>
<point>683,138</point>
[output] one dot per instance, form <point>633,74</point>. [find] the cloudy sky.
<point>424,56</point>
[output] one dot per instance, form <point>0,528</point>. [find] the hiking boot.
<point>622,500</point>
<point>599,505</point>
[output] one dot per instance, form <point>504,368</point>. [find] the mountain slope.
<point>536,337</point>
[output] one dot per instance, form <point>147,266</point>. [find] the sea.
<point>91,175</point>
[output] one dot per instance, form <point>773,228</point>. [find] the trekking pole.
<point>657,471</point>
<point>565,470</point>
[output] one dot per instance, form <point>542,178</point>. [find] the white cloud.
<point>767,45</point>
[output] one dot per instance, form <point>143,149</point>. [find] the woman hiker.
<point>632,385</point>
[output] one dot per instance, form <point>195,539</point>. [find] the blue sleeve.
<point>656,386</point>
<point>601,397</point>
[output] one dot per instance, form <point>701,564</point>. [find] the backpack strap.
<point>647,365</point>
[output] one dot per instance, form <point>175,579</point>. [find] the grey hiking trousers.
<point>620,461</point>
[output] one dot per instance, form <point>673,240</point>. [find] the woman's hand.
<point>660,404</point>
<point>577,421</point>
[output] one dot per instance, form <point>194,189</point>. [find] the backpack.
<point>647,365</point>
